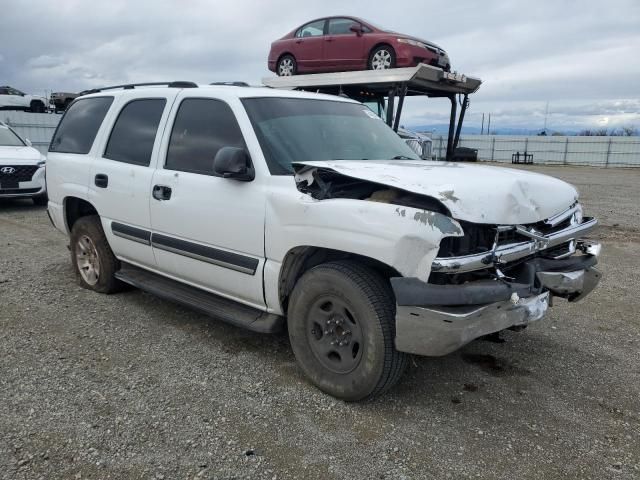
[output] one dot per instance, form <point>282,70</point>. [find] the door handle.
<point>101,180</point>
<point>298,41</point>
<point>328,39</point>
<point>161,192</point>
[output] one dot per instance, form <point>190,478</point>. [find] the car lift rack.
<point>421,80</point>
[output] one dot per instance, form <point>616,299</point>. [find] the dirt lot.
<point>130,386</point>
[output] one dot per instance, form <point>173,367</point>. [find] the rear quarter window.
<point>79,125</point>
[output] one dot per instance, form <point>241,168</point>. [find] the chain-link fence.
<point>592,151</point>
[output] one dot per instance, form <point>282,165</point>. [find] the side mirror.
<point>234,162</point>
<point>355,28</point>
<point>28,142</point>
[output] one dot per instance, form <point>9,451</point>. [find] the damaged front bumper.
<point>434,320</point>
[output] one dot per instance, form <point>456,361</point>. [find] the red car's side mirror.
<point>357,29</point>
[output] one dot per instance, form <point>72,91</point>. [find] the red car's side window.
<point>341,26</point>
<point>313,29</point>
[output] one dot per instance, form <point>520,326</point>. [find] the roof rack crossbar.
<point>130,86</point>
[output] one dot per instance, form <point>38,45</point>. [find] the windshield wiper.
<point>402,157</point>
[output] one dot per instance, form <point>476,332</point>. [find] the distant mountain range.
<point>443,129</point>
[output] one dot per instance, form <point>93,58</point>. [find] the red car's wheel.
<point>382,58</point>
<point>287,66</point>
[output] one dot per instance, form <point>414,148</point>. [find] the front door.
<point>121,174</point>
<point>208,231</point>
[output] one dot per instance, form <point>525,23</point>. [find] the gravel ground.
<point>130,386</point>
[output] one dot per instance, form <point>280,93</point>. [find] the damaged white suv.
<point>269,209</point>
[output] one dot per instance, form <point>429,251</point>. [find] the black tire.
<point>286,63</point>
<point>37,107</point>
<point>386,52</point>
<point>361,301</point>
<point>41,200</point>
<point>89,227</point>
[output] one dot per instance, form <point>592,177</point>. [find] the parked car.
<point>22,168</point>
<point>59,101</point>
<point>13,99</point>
<point>268,208</point>
<point>337,44</point>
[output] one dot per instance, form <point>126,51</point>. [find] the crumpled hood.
<point>19,155</point>
<point>474,193</point>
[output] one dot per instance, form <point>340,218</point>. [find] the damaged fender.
<point>404,238</point>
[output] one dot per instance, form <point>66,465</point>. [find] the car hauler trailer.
<point>394,85</point>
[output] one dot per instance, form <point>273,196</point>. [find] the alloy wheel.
<point>87,260</point>
<point>381,60</point>
<point>285,67</point>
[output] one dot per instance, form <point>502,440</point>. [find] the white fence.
<point>37,127</point>
<point>591,151</point>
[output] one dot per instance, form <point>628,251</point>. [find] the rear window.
<point>134,132</point>
<point>79,125</point>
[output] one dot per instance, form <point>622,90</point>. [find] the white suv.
<point>267,208</point>
<point>13,99</point>
<point>22,168</point>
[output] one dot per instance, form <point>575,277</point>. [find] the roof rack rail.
<point>130,86</point>
<point>231,84</point>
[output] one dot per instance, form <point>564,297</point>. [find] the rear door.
<point>343,48</point>
<point>122,170</point>
<point>309,45</point>
<point>208,231</point>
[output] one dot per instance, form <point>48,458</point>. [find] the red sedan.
<point>336,44</point>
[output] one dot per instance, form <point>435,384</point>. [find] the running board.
<point>208,303</point>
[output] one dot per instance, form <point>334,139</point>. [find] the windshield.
<point>9,139</point>
<point>302,130</point>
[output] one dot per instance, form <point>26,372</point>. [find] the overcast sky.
<point>581,56</point>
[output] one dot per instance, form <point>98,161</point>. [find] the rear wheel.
<point>342,326</point>
<point>382,58</point>
<point>92,258</point>
<point>37,107</point>
<point>286,66</point>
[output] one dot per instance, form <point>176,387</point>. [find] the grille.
<point>22,173</point>
<point>479,238</point>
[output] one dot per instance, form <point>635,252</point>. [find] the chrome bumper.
<point>513,251</point>
<point>435,330</point>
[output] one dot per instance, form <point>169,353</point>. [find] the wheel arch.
<point>381,44</point>
<point>75,208</point>
<point>300,259</point>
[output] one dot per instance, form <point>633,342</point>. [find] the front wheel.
<point>287,66</point>
<point>342,326</point>
<point>382,58</point>
<point>91,256</point>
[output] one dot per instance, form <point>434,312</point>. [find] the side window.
<point>4,91</point>
<point>134,132</point>
<point>341,26</point>
<point>314,29</point>
<point>80,124</point>
<point>201,128</point>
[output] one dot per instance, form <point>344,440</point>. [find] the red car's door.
<point>308,45</point>
<point>343,48</point>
